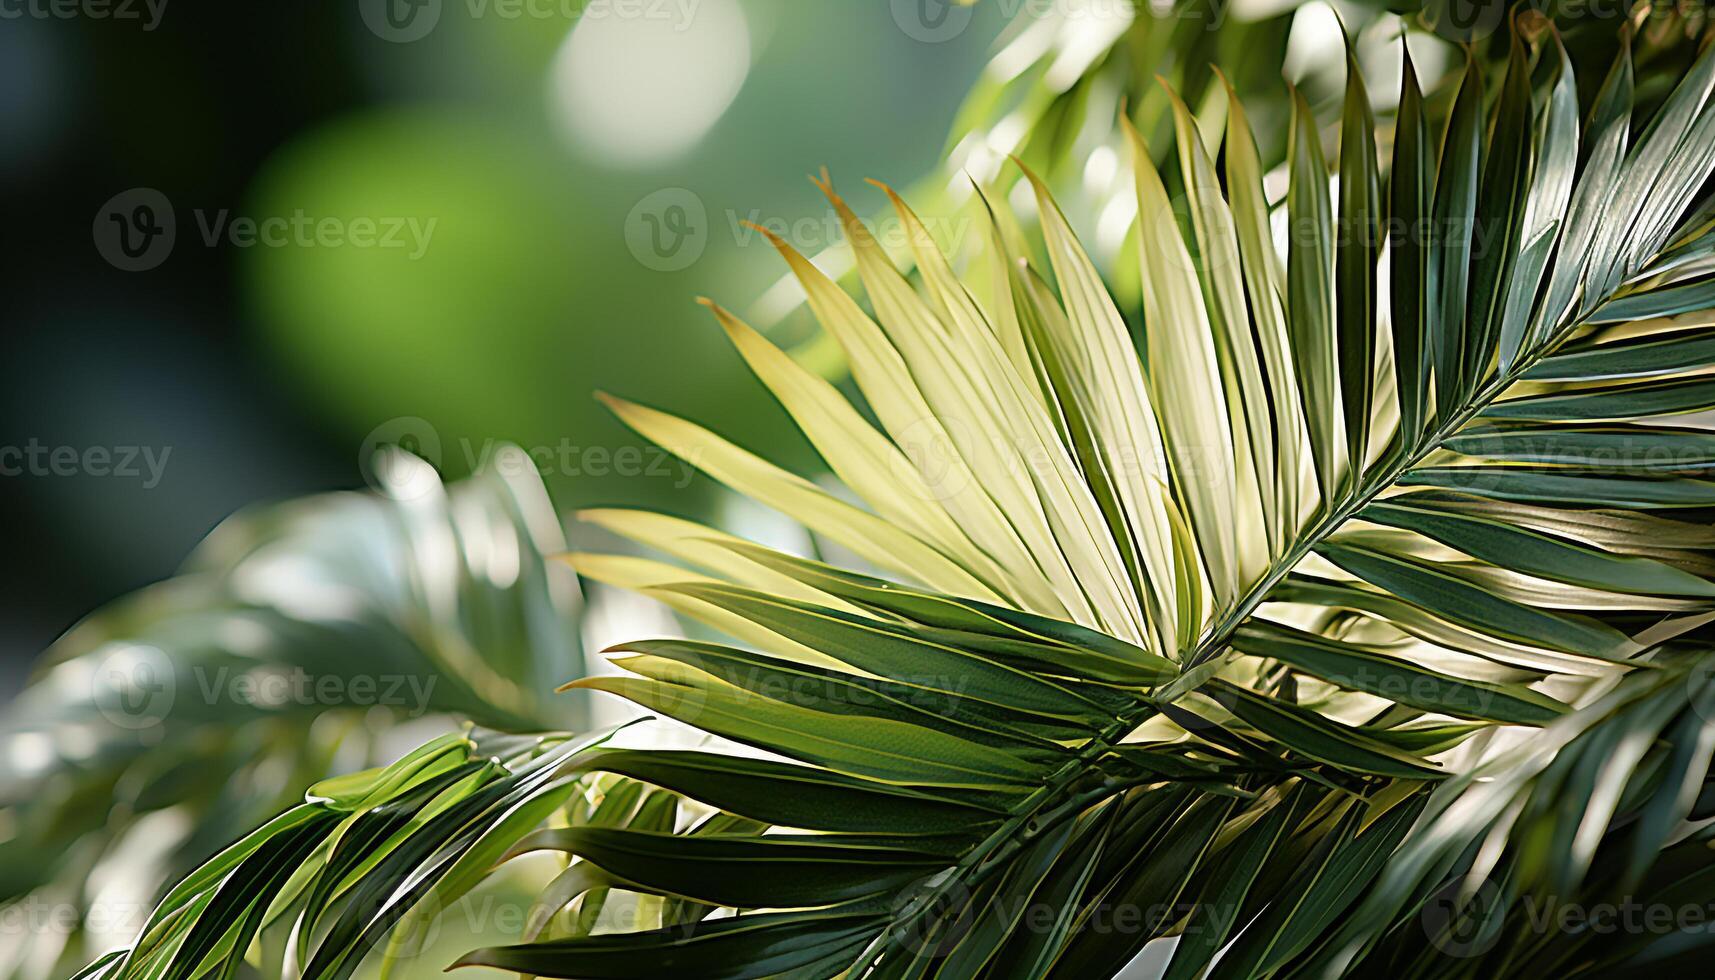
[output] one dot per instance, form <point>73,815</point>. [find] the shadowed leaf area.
<point>1337,607</point>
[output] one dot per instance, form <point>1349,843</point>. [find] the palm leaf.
<point>300,640</point>
<point>1061,72</point>
<point>1295,710</point>
<point>1300,728</point>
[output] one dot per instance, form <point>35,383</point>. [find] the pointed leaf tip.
<point>773,239</point>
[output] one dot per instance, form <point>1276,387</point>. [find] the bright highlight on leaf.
<point>1321,579</point>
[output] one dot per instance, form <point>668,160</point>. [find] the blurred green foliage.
<point>527,298</point>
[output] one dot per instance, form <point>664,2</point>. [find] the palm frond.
<point>1301,499</point>
<point>369,852</point>
<point>1062,71</point>
<point>1370,576</point>
<point>301,639</point>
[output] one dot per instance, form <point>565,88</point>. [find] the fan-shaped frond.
<point>1289,511</point>
<point>1373,558</point>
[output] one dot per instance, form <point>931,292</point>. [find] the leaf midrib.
<point>1219,635</point>
<point>982,859</point>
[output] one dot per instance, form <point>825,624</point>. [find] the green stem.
<point>1030,820</point>
<point>1220,633</point>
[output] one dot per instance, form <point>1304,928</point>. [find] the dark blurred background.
<point>245,242</point>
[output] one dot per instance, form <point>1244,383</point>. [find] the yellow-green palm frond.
<point>1360,567</point>
<point>1347,528</point>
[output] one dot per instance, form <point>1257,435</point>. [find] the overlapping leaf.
<point>1343,629</point>
<point>1462,639</point>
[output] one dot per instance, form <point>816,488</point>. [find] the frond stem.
<point>1037,813</point>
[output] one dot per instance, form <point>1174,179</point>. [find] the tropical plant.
<point>1063,70</point>
<point>1339,619</point>
<point>302,639</point>
<point>1059,75</point>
